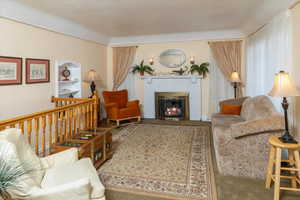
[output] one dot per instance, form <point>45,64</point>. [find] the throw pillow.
<point>231,109</point>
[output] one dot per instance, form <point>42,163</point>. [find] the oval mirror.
<point>172,58</point>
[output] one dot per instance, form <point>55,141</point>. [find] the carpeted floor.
<point>228,188</point>
<point>163,161</point>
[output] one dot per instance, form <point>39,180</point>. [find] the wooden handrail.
<point>55,125</point>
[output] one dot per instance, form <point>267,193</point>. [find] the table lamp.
<point>284,88</point>
<point>235,79</point>
<point>92,76</point>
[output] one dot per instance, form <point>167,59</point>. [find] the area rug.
<point>161,160</point>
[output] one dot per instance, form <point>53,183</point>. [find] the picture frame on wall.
<point>37,71</point>
<point>10,70</point>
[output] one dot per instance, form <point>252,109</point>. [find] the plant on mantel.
<point>200,69</point>
<point>141,68</point>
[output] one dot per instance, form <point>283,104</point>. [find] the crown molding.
<point>177,37</point>
<point>16,11</point>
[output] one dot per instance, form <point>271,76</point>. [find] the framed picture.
<point>37,71</point>
<point>10,70</point>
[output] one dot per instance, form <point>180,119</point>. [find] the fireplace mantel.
<point>193,78</point>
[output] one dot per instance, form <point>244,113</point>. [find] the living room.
<point>150,100</point>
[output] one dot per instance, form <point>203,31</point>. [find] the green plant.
<point>11,172</point>
<point>141,68</point>
<point>201,69</point>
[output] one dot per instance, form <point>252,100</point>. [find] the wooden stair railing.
<point>43,129</point>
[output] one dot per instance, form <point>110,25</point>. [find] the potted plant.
<point>200,69</point>
<point>10,175</point>
<point>141,68</point>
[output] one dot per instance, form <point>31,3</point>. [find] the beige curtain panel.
<point>228,55</point>
<point>123,58</point>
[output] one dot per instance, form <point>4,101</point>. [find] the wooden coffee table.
<point>92,143</point>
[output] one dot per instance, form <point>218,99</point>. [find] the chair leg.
<point>277,174</point>
<point>139,119</point>
<point>270,167</point>
<point>118,123</point>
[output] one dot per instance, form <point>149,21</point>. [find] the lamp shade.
<point>235,78</point>
<point>283,86</point>
<point>92,75</point>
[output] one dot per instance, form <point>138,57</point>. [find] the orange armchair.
<point>118,107</point>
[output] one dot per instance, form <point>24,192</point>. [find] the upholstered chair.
<point>241,141</point>
<point>55,177</point>
<point>118,108</point>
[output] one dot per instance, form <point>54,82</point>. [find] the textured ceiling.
<point>116,18</point>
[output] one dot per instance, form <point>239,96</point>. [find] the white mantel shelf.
<point>172,77</point>
<point>193,78</point>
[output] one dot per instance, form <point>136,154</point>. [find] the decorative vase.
<point>142,73</point>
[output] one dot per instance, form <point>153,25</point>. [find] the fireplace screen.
<point>172,105</point>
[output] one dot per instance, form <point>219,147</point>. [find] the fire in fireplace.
<point>172,105</point>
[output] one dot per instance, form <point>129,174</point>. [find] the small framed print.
<point>10,70</point>
<point>37,71</point>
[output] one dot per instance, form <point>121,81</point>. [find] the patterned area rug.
<point>161,160</point>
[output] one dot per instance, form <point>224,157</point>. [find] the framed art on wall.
<point>37,70</point>
<point>10,70</point>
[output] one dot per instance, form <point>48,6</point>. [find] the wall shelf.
<point>71,87</point>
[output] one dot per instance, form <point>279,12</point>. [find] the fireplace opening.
<point>172,105</point>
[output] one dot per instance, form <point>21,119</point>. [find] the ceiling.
<point>119,18</point>
<point>140,19</point>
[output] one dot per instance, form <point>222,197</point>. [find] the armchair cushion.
<point>25,153</point>
<point>62,158</point>
<point>59,176</point>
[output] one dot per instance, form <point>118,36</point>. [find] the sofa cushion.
<point>67,174</point>
<point>231,109</point>
<point>225,120</point>
<point>257,107</point>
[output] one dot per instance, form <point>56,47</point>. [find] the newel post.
<point>95,109</point>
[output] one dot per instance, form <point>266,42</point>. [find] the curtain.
<point>268,51</point>
<point>123,58</point>
<point>129,84</point>
<point>228,57</point>
<point>220,87</point>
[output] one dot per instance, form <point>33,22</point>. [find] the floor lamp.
<point>284,88</point>
<point>235,80</point>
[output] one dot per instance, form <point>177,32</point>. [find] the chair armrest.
<point>111,105</point>
<point>134,103</point>
<point>258,126</point>
<point>76,190</point>
<point>60,159</point>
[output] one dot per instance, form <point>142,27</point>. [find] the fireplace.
<point>172,105</point>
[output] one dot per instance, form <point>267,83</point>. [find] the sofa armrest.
<point>60,159</point>
<point>76,190</point>
<point>258,126</point>
<point>134,103</point>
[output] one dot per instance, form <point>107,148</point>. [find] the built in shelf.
<point>68,92</point>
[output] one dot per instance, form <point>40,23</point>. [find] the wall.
<point>296,63</point>
<point>21,40</point>
<point>199,49</point>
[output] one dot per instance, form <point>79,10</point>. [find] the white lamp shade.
<point>92,75</point>
<point>283,86</point>
<point>235,78</point>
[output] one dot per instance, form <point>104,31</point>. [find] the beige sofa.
<point>241,141</point>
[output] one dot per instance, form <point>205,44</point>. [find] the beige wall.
<point>296,62</point>
<point>199,49</point>
<point>21,40</point>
